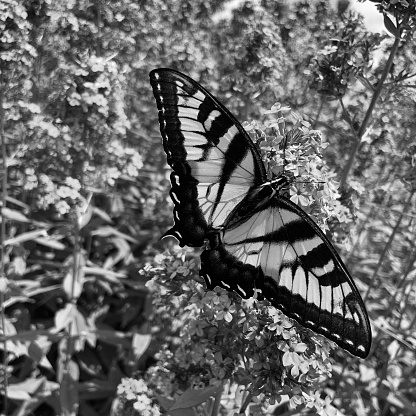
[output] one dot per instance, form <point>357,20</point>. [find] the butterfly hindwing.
<point>215,164</point>
<point>281,251</point>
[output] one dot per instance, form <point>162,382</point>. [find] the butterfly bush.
<point>215,338</point>
<point>134,397</point>
<point>289,145</point>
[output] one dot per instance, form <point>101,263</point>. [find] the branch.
<point>3,238</point>
<point>362,130</point>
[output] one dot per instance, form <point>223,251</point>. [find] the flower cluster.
<point>15,44</point>
<point>288,145</point>
<point>338,64</point>
<point>61,196</point>
<point>135,394</point>
<point>216,338</point>
<point>96,91</point>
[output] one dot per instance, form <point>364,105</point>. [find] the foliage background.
<point>85,187</point>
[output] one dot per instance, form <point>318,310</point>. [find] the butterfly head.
<point>281,183</point>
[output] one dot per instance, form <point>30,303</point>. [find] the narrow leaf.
<point>103,215</point>
<point>107,274</point>
<point>21,238</point>
<point>389,25</point>
<point>85,218</point>
<point>15,393</point>
<point>12,214</point>
<point>50,242</point>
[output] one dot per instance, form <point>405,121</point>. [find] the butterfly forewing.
<point>214,162</point>
<point>282,252</point>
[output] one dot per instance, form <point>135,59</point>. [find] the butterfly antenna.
<point>284,152</point>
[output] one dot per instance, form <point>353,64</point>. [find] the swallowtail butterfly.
<point>254,237</point>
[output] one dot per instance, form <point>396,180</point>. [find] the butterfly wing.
<point>215,164</point>
<point>280,250</point>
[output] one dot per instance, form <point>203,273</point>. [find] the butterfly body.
<point>254,237</point>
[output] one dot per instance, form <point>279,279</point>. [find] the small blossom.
<point>291,355</point>
<point>299,195</point>
<point>221,366</point>
<point>217,296</point>
<point>196,327</point>
<point>202,354</point>
<point>226,312</point>
<point>73,183</point>
<point>260,362</point>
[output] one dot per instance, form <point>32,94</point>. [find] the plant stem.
<point>392,301</point>
<point>363,127</point>
<point>3,238</point>
<point>247,401</point>
<point>217,402</point>
<point>388,244</point>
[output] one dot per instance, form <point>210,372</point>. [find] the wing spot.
<point>241,290</point>
<point>336,336</point>
<point>322,271</point>
<point>349,342</point>
<point>208,278</point>
<point>324,329</point>
<point>175,198</point>
<point>356,318</point>
<point>311,323</point>
<point>225,284</point>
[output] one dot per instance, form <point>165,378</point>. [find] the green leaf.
<point>69,393</point>
<point>117,338</point>
<point>192,397</point>
<point>103,215</point>
<point>109,275</point>
<point>167,405</point>
<point>12,214</point>
<point>140,343</point>
<point>15,393</point>
<point>183,412</point>
<point>164,402</point>
<point>64,317</point>
<point>35,352</point>
<point>50,242</point>
<point>24,390</point>
<point>389,25</point>
<point>21,238</point>
<point>73,283</point>
<point>106,231</point>
<point>398,400</point>
<point>85,218</point>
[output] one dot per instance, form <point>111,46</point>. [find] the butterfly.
<point>255,238</point>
